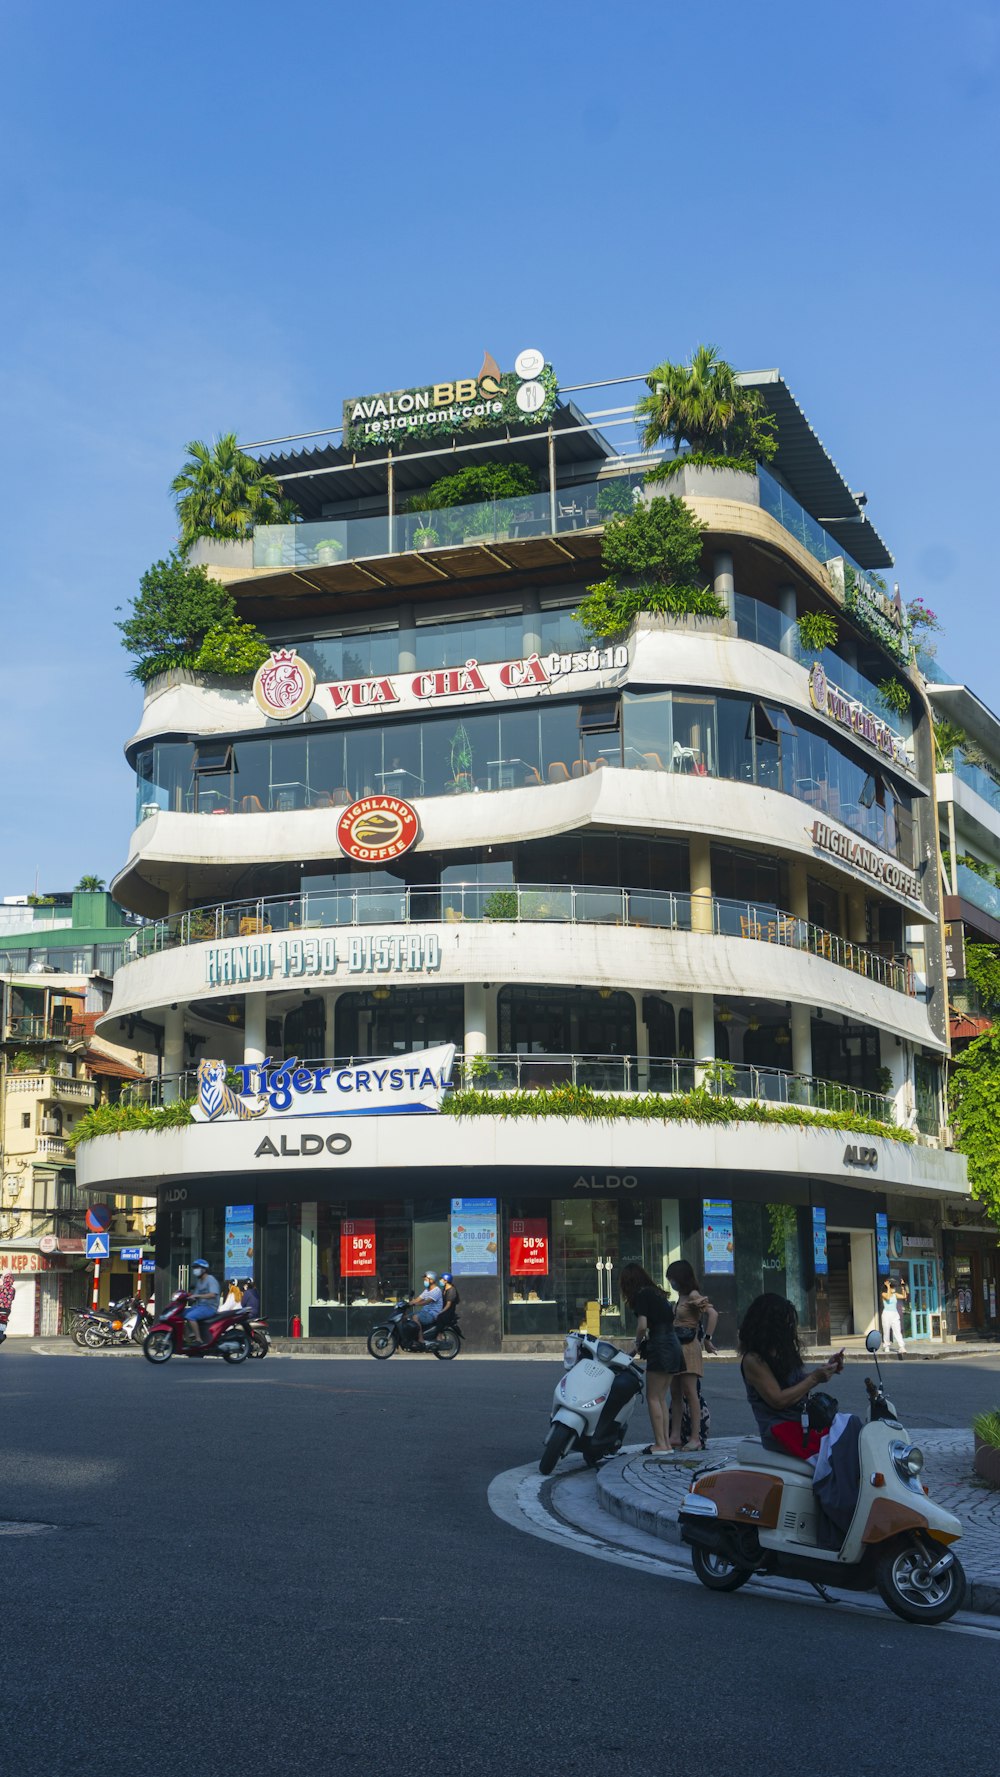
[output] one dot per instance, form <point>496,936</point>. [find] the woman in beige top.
<point>691,1307</point>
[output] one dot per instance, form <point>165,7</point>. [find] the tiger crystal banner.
<point>399,1084</point>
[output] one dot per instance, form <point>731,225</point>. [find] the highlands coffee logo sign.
<point>526,395</point>
<point>830,701</point>
<point>284,685</point>
<point>401,1084</point>
<point>377,828</point>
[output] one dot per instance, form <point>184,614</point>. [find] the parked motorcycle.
<point>123,1322</point>
<point>761,1516</point>
<point>399,1333</point>
<point>227,1335</point>
<point>593,1401</point>
<point>260,1339</point>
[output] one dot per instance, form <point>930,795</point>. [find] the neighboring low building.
<point>53,1069</point>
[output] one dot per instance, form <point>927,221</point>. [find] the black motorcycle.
<point>399,1333</point>
<point>260,1339</point>
<point>124,1323</point>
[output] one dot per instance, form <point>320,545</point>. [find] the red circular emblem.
<point>377,827</point>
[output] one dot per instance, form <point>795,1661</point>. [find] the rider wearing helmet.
<point>427,1304</point>
<point>204,1301</point>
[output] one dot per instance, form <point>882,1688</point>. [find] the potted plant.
<point>986,1428</point>
<point>425,537</point>
<point>460,759</point>
<point>329,551</point>
<point>501,904</point>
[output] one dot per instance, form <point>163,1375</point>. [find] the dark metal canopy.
<point>810,473</point>
<point>331,474</point>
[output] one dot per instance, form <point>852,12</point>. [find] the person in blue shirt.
<point>428,1305</point>
<point>204,1301</point>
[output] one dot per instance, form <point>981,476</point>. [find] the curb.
<point>620,1501</point>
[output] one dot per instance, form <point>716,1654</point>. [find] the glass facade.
<point>692,733</point>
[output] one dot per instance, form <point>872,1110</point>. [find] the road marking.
<point>517,1497</point>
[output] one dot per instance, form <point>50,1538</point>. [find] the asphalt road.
<point>292,1566</point>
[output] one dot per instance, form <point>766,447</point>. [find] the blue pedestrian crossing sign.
<point>98,1246</point>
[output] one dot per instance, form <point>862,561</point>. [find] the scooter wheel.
<point>446,1345</point>
<point>903,1579</point>
<point>158,1347</point>
<point>241,1347</point>
<point>381,1342</point>
<point>556,1445</point>
<point>258,1345</point>
<point>95,1340</point>
<point>716,1572</point>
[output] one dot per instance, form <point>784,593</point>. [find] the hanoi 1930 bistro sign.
<point>495,398</point>
<point>321,955</point>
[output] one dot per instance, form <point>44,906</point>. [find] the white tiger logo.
<point>218,1100</point>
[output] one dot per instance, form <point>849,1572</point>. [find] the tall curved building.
<point>692,868</point>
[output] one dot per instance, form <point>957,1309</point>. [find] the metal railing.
<point>667,1075</point>
<point>530,903</point>
<point>51,1085</point>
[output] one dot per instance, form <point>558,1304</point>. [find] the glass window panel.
<point>647,731</point>
<point>695,745</point>
<point>518,758</point>
<point>560,742</point>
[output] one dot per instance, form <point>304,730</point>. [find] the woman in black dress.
<point>656,1340</point>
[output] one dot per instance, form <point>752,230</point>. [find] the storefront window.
<point>407,1019</point>
<point>364,1264</point>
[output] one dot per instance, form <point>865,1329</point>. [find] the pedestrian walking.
<point>694,1316</point>
<point>7,1293</point>
<point>656,1341</point>
<point>894,1297</point>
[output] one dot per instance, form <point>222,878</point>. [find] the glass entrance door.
<point>587,1265</point>
<point>923,1297</point>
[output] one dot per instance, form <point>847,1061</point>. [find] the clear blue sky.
<point>228,217</point>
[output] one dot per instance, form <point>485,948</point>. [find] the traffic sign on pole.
<point>98,1246</point>
<point>98,1217</point>
<point>131,1254</point>
<point>148,1265</point>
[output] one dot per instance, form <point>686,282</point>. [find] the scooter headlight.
<point>908,1461</point>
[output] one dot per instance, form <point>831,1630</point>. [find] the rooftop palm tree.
<point>91,884</point>
<point>702,405</point>
<point>221,492</point>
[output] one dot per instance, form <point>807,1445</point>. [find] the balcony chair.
<point>531,777</point>
<point>580,768</point>
<point>652,762</point>
<point>558,773</point>
<point>251,928</point>
<point>750,928</point>
<point>251,805</point>
<point>341,796</point>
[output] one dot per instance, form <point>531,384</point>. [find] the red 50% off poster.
<point>357,1249</point>
<point>529,1248</point>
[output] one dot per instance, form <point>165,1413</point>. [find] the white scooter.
<point>593,1402</point>
<point>761,1516</point>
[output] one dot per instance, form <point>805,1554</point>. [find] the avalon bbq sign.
<point>495,398</point>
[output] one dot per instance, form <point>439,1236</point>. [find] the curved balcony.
<point>668,1076</point>
<point>533,903</point>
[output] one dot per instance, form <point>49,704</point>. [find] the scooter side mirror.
<point>874,1341</point>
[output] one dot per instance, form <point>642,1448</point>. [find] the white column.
<point>788,606</point>
<point>330,1007</point>
<point>641,1044</point>
<point>802,1051</point>
<point>798,888</point>
<point>176,900</point>
<point>531,640</point>
<point>173,1050</point>
<point>254,1028</point>
<point>857,922</point>
<point>700,864</point>
<point>703,1019</point>
<point>474,1041</point>
<point>407,657</point>
<point>724,585</point>
<point>898,1058</point>
<point>307,1262</point>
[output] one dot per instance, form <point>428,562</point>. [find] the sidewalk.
<point>646,1492</point>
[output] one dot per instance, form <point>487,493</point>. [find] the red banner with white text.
<point>529,1248</point>
<point>357,1249</point>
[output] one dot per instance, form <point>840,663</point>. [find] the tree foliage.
<point>702,405</point>
<point>974,1095</point>
<point>982,968</point>
<point>653,559</point>
<point>478,482</point>
<point>221,492</point>
<point>90,884</point>
<point>817,631</point>
<point>175,611</point>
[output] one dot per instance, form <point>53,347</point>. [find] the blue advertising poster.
<point>717,1233</point>
<point>881,1243</point>
<point>474,1236</point>
<point>239,1240</point>
<point>820,1262</point>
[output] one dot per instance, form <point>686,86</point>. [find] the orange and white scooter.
<point>760,1516</point>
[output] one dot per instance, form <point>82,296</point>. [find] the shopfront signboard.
<point>284,685</point>
<point>474,1236</point>
<point>872,606</point>
<point>821,1262</point>
<point>239,1240</point>
<point>377,828</point>
<point>290,1089</point>
<point>848,713</point>
<point>875,864</point>
<point>529,1248</point>
<point>357,1249</point>
<point>524,396</point>
<point>717,1233</point>
<point>881,1243</point>
<point>320,956</point>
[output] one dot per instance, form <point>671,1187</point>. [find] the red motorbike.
<point>227,1335</point>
